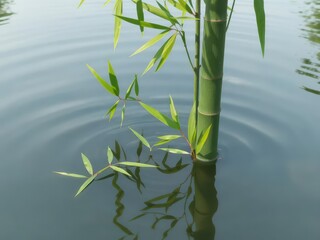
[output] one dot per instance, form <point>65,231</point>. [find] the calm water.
<point>267,182</point>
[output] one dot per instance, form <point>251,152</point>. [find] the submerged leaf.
<point>87,163</point>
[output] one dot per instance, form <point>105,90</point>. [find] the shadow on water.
<point>311,65</point>
<point>5,11</point>
<point>190,204</point>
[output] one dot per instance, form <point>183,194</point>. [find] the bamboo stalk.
<point>211,74</point>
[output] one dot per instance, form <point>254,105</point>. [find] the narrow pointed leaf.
<point>192,127</point>
<point>106,3</point>
<point>174,150</point>
<point>109,155</point>
<point>167,50</point>
<point>75,175</point>
<point>136,85</point>
<point>173,111</point>
<point>151,42</point>
<point>129,90</point>
<point>202,139</point>
<point>112,110</point>
<point>161,142</point>
<point>86,184</point>
<point>136,164</point>
<point>117,22</point>
<point>154,10</point>
<point>172,20</point>
<point>87,163</point>
<point>141,138</point>
<point>81,2</point>
<point>103,83</point>
<point>120,170</point>
<point>143,23</point>
<point>261,22</point>
<point>113,79</point>
<point>161,117</point>
<point>169,137</point>
<point>123,110</point>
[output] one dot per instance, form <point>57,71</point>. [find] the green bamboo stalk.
<point>197,45</point>
<point>211,74</point>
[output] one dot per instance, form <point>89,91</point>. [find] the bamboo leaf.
<point>161,142</point>
<point>140,13</point>
<point>129,90</point>
<point>87,163</point>
<point>192,126</point>
<point>174,150</point>
<point>261,22</point>
<point>154,10</point>
<point>171,18</point>
<point>136,164</point>
<point>103,83</point>
<point>112,110</point>
<point>169,137</point>
<point>181,5</point>
<point>136,85</point>
<point>120,170</point>
<point>161,117</point>
<point>141,138</point>
<point>81,2</point>
<point>113,79</point>
<point>138,216</point>
<point>106,3</point>
<point>151,42</point>
<point>143,23</point>
<point>167,50</point>
<point>75,175</point>
<point>117,22</point>
<point>109,155</point>
<point>202,139</point>
<point>123,110</point>
<point>173,112</point>
<point>85,184</point>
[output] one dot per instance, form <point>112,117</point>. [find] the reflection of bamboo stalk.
<point>206,202</point>
<point>211,76</point>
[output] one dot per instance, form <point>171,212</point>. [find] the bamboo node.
<point>212,78</point>
<point>215,20</point>
<point>209,114</point>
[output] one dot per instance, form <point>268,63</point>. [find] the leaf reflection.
<point>5,12</point>
<point>189,204</point>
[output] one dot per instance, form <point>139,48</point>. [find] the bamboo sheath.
<point>211,74</point>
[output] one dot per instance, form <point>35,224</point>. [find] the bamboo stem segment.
<point>211,74</point>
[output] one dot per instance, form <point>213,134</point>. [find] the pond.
<point>266,183</point>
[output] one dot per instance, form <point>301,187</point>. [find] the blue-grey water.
<point>52,109</point>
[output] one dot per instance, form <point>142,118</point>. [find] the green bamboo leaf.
<point>117,22</point>
<point>140,13</point>
<point>136,85</point>
<point>109,155</point>
<point>143,23</point>
<point>113,79</point>
<point>171,18</point>
<point>112,110</point>
<point>106,3</point>
<point>103,83</point>
<point>169,137</point>
<point>161,117</point>
<point>81,2</point>
<point>167,50</point>
<point>174,150</point>
<point>129,90</point>
<point>202,139</point>
<point>155,58</point>
<point>181,5</point>
<point>192,126</point>
<point>154,10</point>
<point>87,163</point>
<point>173,112</point>
<point>120,170</point>
<point>161,142</point>
<point>123,110</point>
<point>75,175</point>
<point>86,184</point>
<point>136,164</point>
<point>261,22</point>
<point>151,42</point>
<point>141,138</point>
